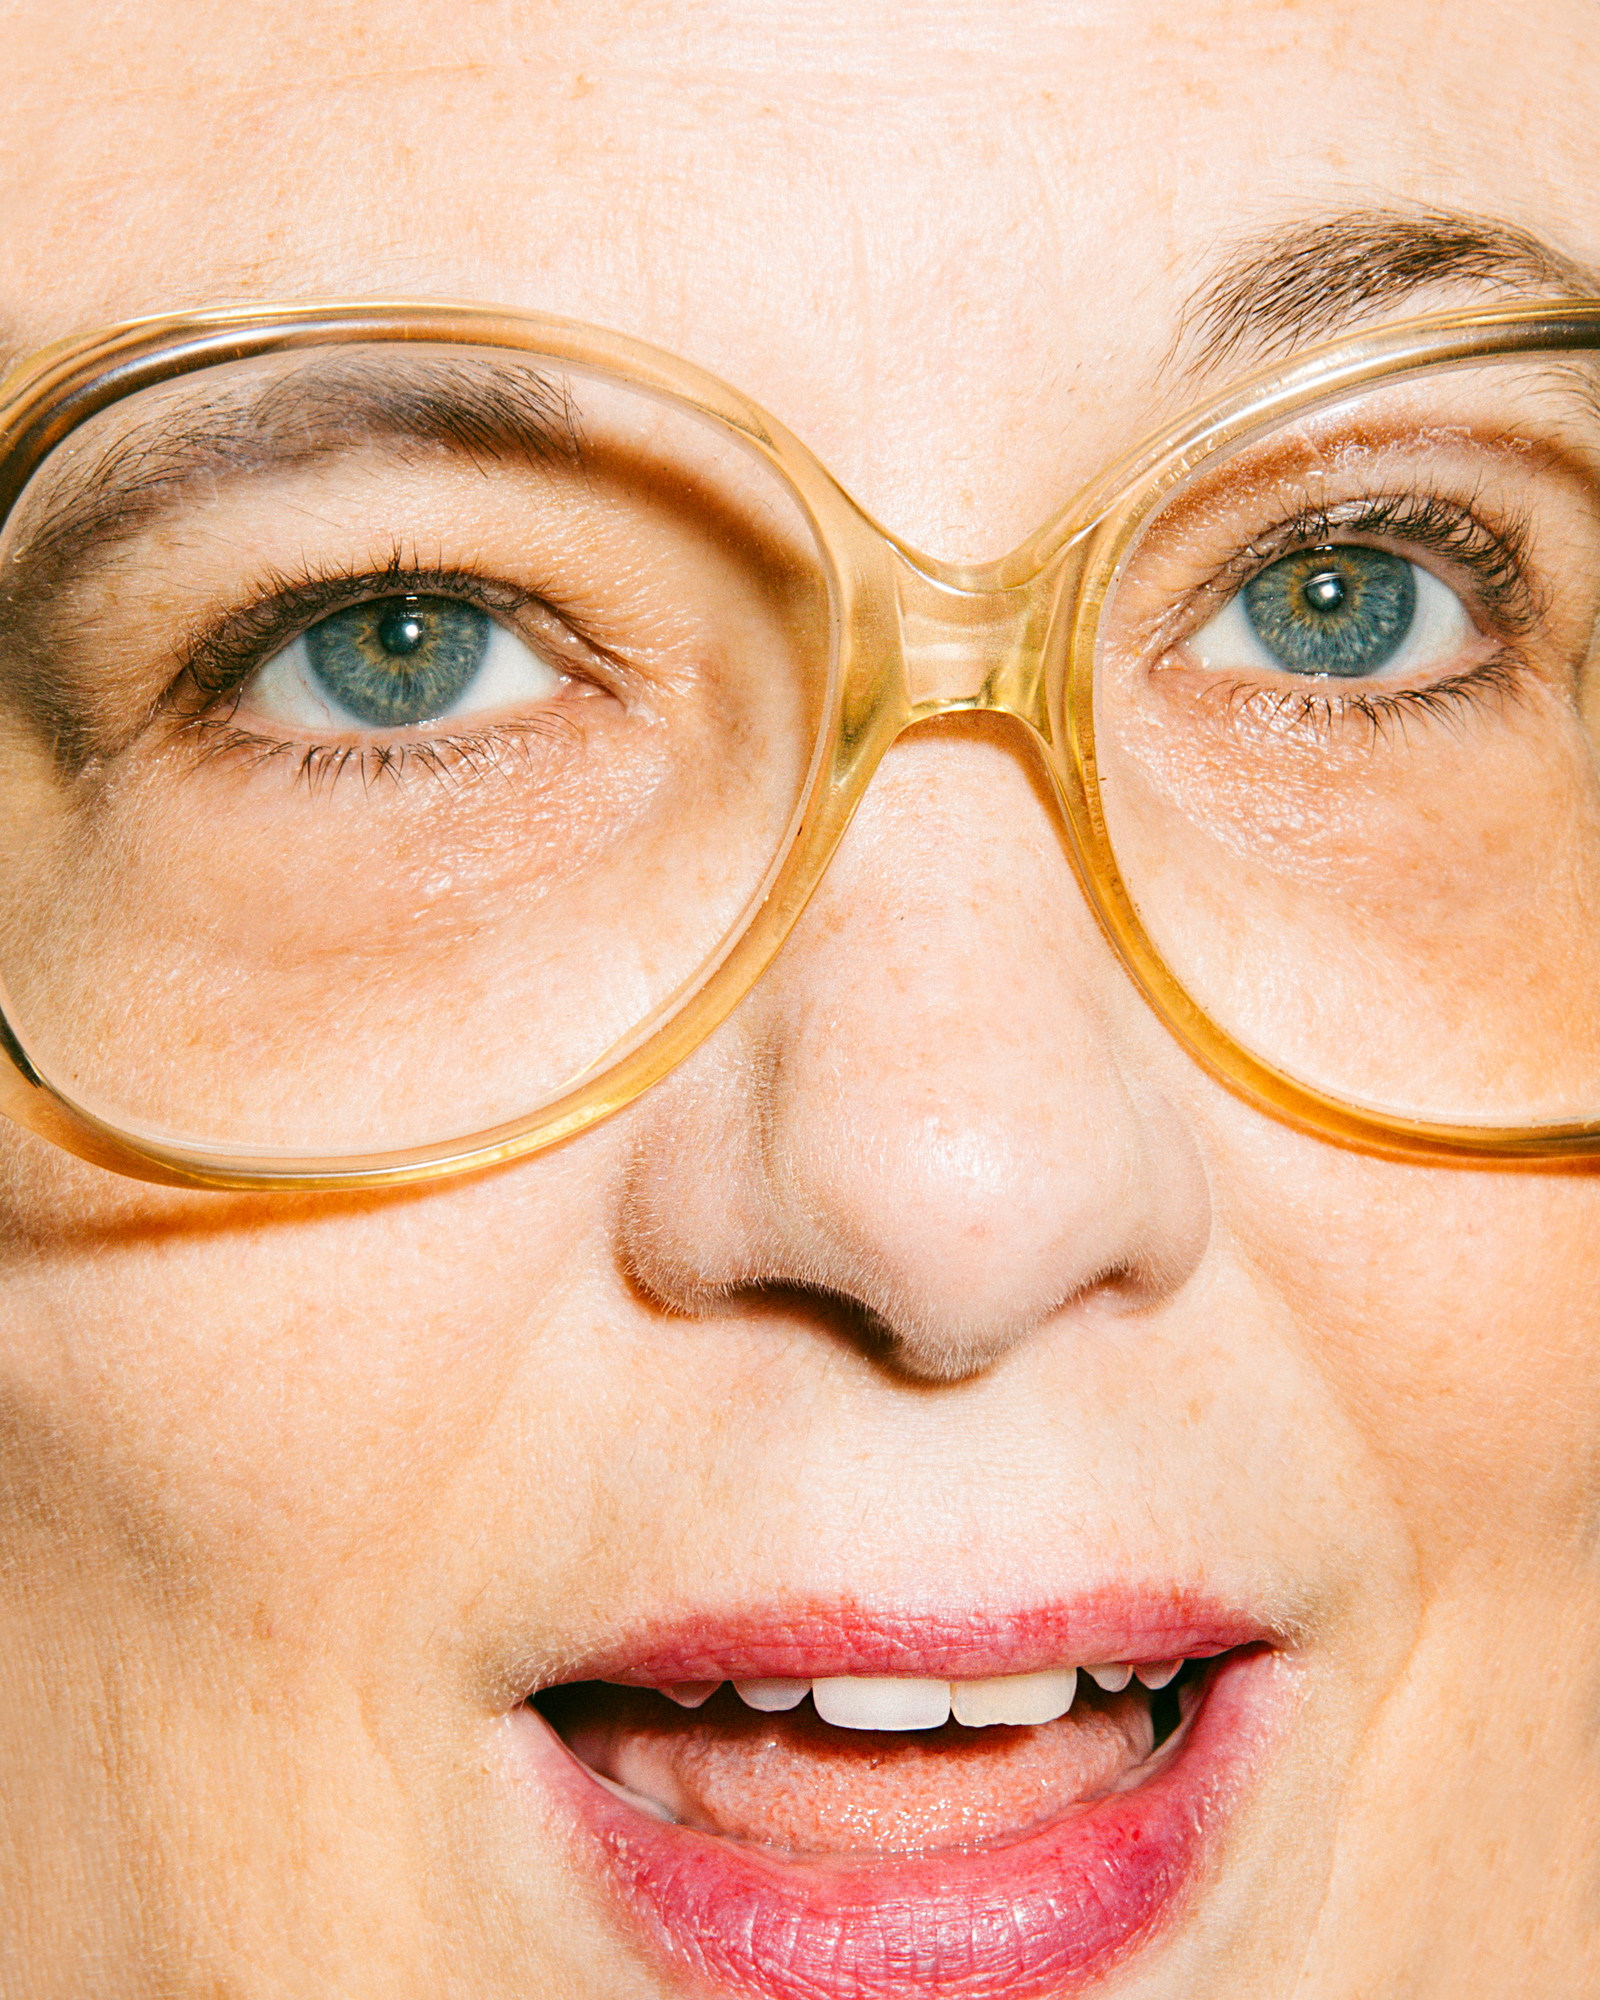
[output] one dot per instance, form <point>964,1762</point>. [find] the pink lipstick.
<point>755,1845</point>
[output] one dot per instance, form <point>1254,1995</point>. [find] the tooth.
<point>771,1697</point>
<point>690,1694</point>
<point>1156,1673</point>
<point>880,1702</point>
<point>1112,1679</point>
<point>1017,1699</point>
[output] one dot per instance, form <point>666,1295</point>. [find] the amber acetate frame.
<point>914,638</point>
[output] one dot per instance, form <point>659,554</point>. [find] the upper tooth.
<point>691,1694</point>
<point>880,1701</point>
<point>850,1701</point>
<point>772,1696</point>
<point>1156,1673</point>
<point>1017,1699</point>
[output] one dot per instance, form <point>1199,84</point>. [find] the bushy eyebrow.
<point>1286,288</point>
<point>479,409</point>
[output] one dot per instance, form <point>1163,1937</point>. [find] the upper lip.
<point>820,1638</point>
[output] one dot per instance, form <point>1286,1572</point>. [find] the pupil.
<point>1325,591</point>
<point>401,628</point>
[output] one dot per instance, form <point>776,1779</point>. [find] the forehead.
<point>950,243</point>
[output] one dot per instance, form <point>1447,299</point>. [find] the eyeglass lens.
<point>387,734</point>
<point>1346,706</point>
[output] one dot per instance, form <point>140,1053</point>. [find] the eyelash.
<point>1496,559</point>
<point>216,663</point>
<point>1384,715</point>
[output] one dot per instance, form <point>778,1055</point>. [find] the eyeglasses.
<point>422,724</point>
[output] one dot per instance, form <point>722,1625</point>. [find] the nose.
<point>937,1103</point>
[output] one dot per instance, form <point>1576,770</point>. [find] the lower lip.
<point>1047,1913</point>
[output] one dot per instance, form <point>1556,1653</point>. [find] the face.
<point>937,1320</point>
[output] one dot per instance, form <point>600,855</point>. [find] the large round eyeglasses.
<point>421,724</point>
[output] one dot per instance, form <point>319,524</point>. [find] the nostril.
<point>932,1259</point>
<point>937,1106</point>
<point>937,1346</point>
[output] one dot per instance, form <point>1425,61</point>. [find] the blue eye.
<point>1342,611</point>
<point>398,660</point>
<point>395,663</point>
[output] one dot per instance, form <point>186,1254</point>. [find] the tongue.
<point>794,1783</point>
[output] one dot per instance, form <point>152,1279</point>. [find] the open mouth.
<point>875,1766</point>
<point>879,1834</point>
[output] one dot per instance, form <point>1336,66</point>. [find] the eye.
<point>1344,612</point>
<point>394,662</point>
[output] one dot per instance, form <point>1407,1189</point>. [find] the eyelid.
<point>1494,557</point>
<point>217,660</point>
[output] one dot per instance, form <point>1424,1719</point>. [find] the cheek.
<point>1455,1318</point>
<point>283,1413</point>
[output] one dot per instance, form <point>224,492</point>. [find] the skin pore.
<point>919,1284</point>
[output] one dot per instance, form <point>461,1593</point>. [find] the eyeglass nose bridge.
<point>974,643</point>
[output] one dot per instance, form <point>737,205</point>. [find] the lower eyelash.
<point>465,758</point>
<point>1385,715</point>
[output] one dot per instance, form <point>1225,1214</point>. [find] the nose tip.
<point>930,1106</point>
<point>965,1228</point>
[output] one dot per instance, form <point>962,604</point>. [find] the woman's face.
<point>938,1317</point>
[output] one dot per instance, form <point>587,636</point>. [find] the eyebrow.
<point>484,411</point>
<point>1287,288</point>
<point>1275,291</point>
<point>479,410</point>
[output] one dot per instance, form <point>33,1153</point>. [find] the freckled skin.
<point>296,1498</point>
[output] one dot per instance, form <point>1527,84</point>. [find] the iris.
<point>1343,611</point>
<point>399,660</point>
